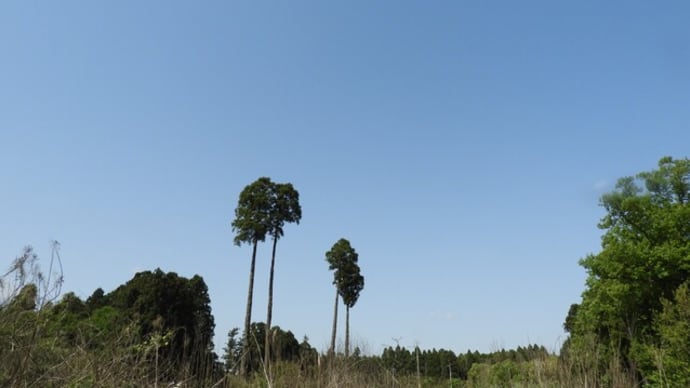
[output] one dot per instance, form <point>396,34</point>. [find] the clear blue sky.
<point>461,146</point>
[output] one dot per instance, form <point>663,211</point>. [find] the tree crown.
<point>342,259</point>
<point>253,212</point>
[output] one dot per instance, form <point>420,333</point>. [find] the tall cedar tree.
<point>352,285</point>
<point>341,257</point>
<point>251,224</point>
<point>284,208</point>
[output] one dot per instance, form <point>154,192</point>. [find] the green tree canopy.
<point>351,284</point>
<point>253,212</point>
<point>161,302</point>
<point>339,258</point>
<point>284,208</point>
<point>645,257</point>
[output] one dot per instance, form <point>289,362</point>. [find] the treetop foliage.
<point>285,207</point>
<point>166,301</point>
<point>352,283</point>
<point>340,255</point>
<point>252,215</point>
<point>263,208</point>
<point>342,258</point>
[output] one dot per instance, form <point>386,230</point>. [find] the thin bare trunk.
<point>269,315</point>
<point>335,324</point>
<point>419,379</point>
<point>244,367</point>
<point>347,331</point>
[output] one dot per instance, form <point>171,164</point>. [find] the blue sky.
<point>460,146</point>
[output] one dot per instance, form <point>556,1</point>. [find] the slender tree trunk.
<point>347,331</point>
<point>419,379</point>
<point>244,367</point>
<point>335,324</point>
<point>269,315</point>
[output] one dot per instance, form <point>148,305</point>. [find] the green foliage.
<point>96,300</point>
<point>284,207</point>
<point>351,284</point>
<point>253,212</point>
<point>342,259</point>
<point>232,351</point>
<point>501,368</point>
<point>162,302</point>
<point>284,345</point>
<point>504,374</point>
<point>399,360</point>
<point>25,295</point>
<point>479,375</point>
<point>340,255</point>
<point>263,208</point>
<point>671,356</point>
<point>156,327</point>
<point>645,256</point>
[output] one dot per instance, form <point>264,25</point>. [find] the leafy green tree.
<point>503,374</point>
<point>251,224</point>
<point>284,208</point>
<point>570,319</point>
<point>341,257</point>
<point>645,257</point>
<point>103,327</point>
<point>671,357</point>
<point>479,375</point>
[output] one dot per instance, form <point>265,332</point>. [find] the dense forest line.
<point>631,328</point>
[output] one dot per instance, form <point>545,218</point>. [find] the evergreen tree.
<point>342,259</point>
<point>161,303</point>
<point>351,286</point>
<point>251,224</point>
<point>284,207</point>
